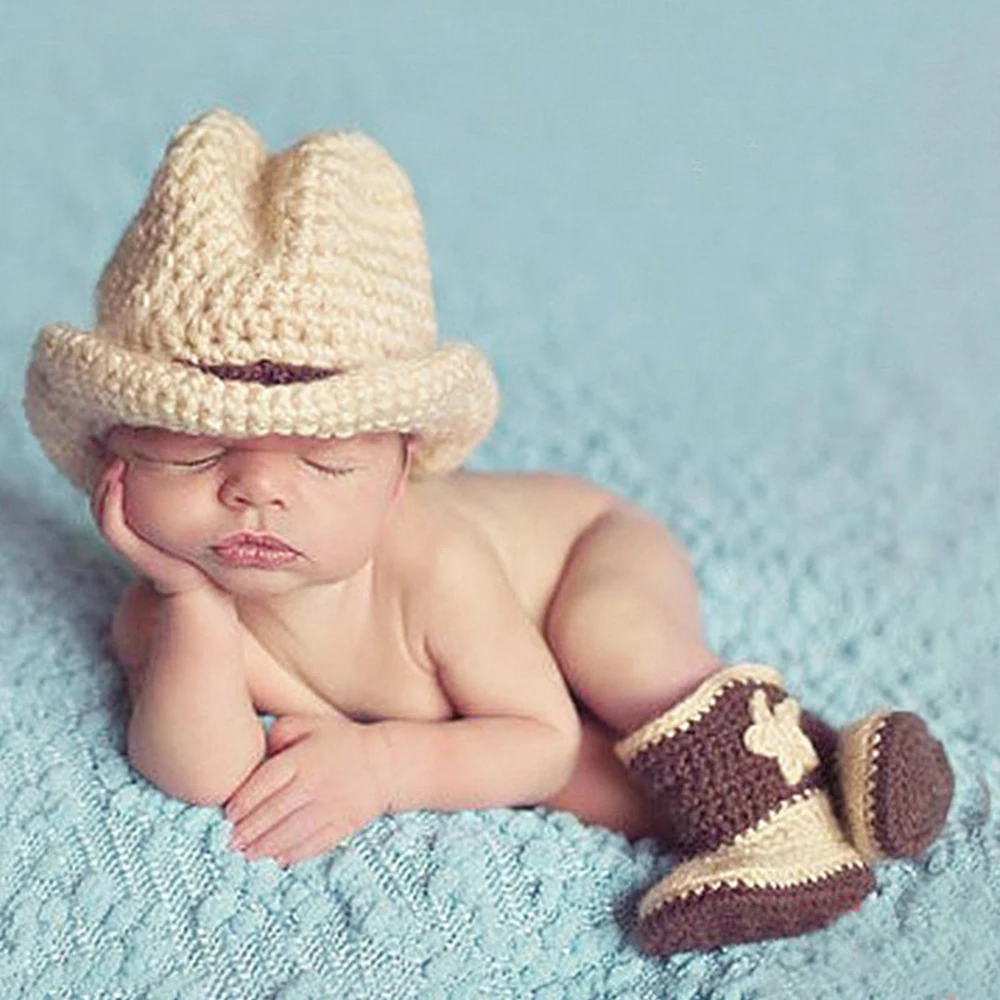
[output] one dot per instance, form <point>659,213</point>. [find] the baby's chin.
<point>247,582</point>
<point>257,584</point>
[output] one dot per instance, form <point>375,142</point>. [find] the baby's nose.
<point>253,480</point>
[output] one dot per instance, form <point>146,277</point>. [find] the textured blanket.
<point>738,266</point>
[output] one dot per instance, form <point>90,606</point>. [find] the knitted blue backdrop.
<point>737,262</point>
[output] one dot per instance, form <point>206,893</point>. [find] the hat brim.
<point>79,384</point>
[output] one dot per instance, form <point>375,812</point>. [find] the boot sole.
<point>792,873</point>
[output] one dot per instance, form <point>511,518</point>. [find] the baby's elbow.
<point>209,793</point>
<point>209,797</point>
<point>195,790</point>
<point>200,790</point>
<point>202,786</point>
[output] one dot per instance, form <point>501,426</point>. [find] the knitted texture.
<point>697,763</point>
<point>737,785</point>
<point>792,874</point>
<point>896,782</point>
<point>740,267</point>
<point>244,268</point>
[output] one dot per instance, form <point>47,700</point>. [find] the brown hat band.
<point>266,372</point>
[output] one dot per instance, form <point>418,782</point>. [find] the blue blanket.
<point>740,268</point>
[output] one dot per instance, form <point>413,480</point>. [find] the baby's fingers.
<point>269,778</point>
<point>111,517</point>
<point>295,827</point>
<point>317,843</point>
<point>169,574</point>
<point>146,558</point>
<point>100,492</point>
<point>261,824</point>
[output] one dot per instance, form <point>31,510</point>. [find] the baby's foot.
<point>895,785</point>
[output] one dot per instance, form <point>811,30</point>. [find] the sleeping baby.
<point>272,436</point>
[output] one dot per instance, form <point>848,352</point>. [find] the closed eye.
<point>199,463</point>
<point>325,470</point>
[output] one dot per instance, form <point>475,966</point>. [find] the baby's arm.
<point>517,739</point>
<point>194,732</point>
<point>514,744</point>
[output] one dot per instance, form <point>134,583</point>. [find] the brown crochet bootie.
<point>741,791</point>
<point>890,781</point>
<point>896,785</point>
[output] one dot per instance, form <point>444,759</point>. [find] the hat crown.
<point>311,256</point>
<point>254,294</point>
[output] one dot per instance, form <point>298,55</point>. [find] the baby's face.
<point>326,498</point>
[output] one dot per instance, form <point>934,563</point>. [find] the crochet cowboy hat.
<point>257,294</point>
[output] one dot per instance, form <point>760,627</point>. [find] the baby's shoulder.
<point>441,532</point>
<point>525,522</point>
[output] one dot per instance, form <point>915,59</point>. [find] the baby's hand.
<point>168,574</point>
<point>317,786</point>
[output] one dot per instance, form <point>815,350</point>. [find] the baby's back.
<point>531,520</point>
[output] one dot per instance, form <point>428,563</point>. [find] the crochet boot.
<point>743,796</point>
<point>896,785</point>
<point>889,779</point>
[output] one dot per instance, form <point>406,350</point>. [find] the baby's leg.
<point>733,781</point>
<point>625,627</point>
<point>599,790</point>
<point>624,623</point>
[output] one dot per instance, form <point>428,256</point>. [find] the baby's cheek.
<point>160,512</point>
<point>342,536</point>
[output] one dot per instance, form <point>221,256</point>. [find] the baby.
<point>272,436</point>
<point>354,594</point>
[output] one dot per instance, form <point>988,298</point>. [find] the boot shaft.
<point>724,759</point>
